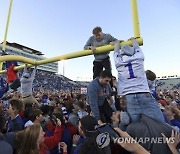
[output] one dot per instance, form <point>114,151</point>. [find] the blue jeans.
<point>142,103</point>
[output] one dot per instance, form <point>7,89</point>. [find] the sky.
<point>58,27</point>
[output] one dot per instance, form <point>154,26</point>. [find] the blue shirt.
<point>175,122</point>
<point>19,120</point>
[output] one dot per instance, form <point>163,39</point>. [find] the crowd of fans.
<point>171,83</point>
<point>61,122</point>
<point>43,113</point>
<point>51,81</point>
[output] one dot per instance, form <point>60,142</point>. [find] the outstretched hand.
<point>175,136</point>
<point>76,139</point>
<point>63,146</point>
<point>131,146</point>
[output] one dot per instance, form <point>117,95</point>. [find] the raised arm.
<point>33,73</point>
<point>52,141</point>
<point>25,69</point>
<point>132,146</point>
<point>117,46</point>
<point>134,43</point>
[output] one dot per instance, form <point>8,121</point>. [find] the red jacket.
<point>72,130</point>
<point>11,74</point>
<point>51,142</point>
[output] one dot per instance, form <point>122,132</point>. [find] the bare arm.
<point>133,146</point>
<point>33,73</point>
<point>25,68</point>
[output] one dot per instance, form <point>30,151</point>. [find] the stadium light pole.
<point>63,63</point>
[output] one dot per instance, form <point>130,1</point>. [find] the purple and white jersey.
<point>131,74</point>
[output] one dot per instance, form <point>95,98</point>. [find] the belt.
<point>138,93</point>
<point>26,96</point>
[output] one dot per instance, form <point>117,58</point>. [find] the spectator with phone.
<point>15,105</point>
<point>7,140</point>
<point>67,130</point>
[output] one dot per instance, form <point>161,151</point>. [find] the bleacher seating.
<point>169,83</point>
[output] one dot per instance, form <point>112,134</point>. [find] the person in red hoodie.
<point>32,140</point>
<point>68,130</point>
<point>11,74</point>
<point>12,78</point>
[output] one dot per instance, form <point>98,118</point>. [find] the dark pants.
<point>105,112</point>
<point>15,84</point>
<point>98,66</point>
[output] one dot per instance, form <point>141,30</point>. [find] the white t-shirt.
<point>28,123</point>
<point>131,74</point>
